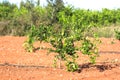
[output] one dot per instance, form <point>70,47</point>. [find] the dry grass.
<point>107,32</point>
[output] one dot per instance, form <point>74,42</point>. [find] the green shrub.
<point>117,34</point>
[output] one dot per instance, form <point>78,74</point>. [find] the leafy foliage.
<point>70,31</point>
<point>90,48</point>
<point>32,36</point>
<point>72,66</point>
<point>117,34</point>
<point>42,33</point>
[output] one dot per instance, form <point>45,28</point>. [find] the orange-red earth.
<point>17,64</point>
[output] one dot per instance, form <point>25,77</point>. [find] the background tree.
<point>53,8</point>
<point>38,2</point>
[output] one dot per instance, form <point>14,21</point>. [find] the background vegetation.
<point>16,20</point>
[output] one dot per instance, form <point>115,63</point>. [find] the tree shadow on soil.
<point>36,49</point>
<point>101,66</point>
<point>40,48</point>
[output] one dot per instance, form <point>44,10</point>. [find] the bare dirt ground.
<point>17,64</point>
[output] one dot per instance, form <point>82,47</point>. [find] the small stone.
<point>116,60</point>
<point>61,75</point>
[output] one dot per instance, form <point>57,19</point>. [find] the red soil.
<point>17,64</point>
